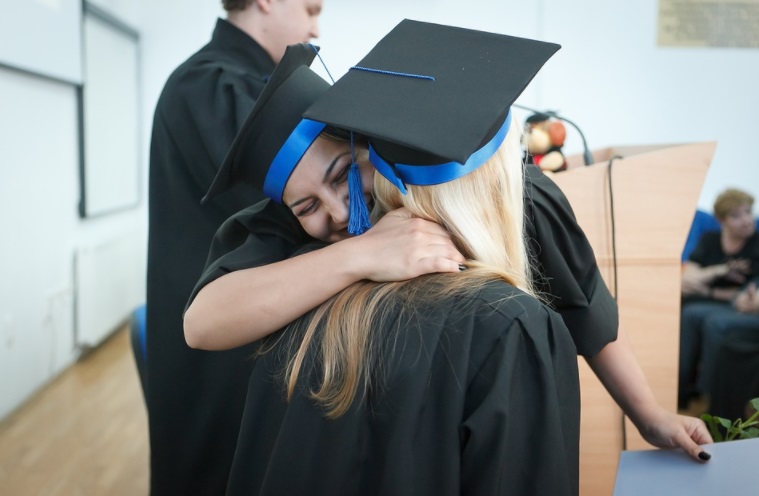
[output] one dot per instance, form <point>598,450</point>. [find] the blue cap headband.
<point>288,157</point>
<point>427,175</point>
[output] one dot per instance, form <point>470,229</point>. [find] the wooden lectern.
<point>644,219</point>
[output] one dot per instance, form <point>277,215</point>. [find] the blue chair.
<point>139,345</point>
<point>702,222</point>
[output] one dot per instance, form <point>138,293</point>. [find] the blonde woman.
<point>444,384</point>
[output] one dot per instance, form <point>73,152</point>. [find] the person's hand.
<point>696,280</point>
<point>669,430</point>
<point>692,286</point>
<point>737,270</point>
<point>747,300</point>
<point>401,247</point>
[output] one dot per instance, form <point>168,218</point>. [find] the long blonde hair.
<point>483,211</point>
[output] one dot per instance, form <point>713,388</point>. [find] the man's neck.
<point>249,21</point>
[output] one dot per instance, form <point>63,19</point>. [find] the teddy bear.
<point>543,138</point>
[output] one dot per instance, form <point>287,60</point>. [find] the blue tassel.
<point>359,214</point>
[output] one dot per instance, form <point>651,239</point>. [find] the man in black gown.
<point>195,398</point>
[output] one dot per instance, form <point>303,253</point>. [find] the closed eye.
<point>309,208</point>
<point>343,174</point>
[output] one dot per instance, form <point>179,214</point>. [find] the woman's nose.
<point>339,209</point>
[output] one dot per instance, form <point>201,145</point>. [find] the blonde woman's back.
<point>473,393</point>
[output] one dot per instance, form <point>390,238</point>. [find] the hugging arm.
<point>245,305</point>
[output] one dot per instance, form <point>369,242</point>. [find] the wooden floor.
<point>83,434</point>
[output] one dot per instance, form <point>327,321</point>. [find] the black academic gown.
<point>478,395</point>
<point>194,398</point>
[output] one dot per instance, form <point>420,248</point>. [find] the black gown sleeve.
<point>564,266</point>
<point>213,99</point>
<point>261,234</point>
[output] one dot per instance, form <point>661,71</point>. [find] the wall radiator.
<point>110,285</point>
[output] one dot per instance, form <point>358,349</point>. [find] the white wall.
<point>609,77</point>
<point>38,217</point>
<point>623,89</point>
<point>42,232</point>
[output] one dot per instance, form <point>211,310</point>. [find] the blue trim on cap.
<point>427,175</point>
<point>288,156</point>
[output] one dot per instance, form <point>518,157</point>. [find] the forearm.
<point>697,279</point>
<point>618,370</point>
<point>244,306</point>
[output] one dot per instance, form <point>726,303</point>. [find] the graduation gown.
<point>564,266</point>
<point>478,395</point>
<point>194,398</point>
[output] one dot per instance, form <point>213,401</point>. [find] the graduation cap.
<point>433,100</point>
<point>274,136</point>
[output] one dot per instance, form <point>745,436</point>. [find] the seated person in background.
<point>718,268</point>
<point>736,372</point>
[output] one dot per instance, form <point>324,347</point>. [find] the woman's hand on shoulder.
<point>401,246</point>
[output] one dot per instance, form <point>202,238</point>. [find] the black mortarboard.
<point>429,94</point>
<point>274,136</point>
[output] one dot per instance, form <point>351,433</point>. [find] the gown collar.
<point>237,43</point>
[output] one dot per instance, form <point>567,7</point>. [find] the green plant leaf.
<point>732,430</point>
<point>724,422</point>
<point>711,423</point>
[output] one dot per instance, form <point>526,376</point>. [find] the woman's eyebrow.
<point>327,174</point>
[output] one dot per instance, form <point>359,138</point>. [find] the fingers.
<point>440,258</point>
<point>401,247</point>
<point>429,265</point>
<point>690,438</point>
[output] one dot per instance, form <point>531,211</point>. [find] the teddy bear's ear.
<point>557,132</point>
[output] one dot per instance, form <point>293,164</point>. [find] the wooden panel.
<point>654,196</point>
<point>649,303</point>
<point>601,437</point>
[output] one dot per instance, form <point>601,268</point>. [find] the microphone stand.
<point>586,155</point>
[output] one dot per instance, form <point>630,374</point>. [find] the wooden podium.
<point>645,218</point>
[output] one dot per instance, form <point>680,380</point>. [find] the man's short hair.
<point>232,5</point>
